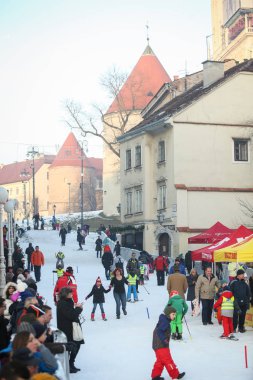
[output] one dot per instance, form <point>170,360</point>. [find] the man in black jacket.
<point>241,292</point>
<point>29,250</point>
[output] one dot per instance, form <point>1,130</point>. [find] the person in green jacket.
<point>181,307</point>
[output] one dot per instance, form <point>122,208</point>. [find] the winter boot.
<point>181,375</point>
<point>124,312</point>
<point>174,336</point>
<point>118,316</point>
<point>72,368</point>
<point>158,378</point>
<point>92,317</point>
<point>103,316</point>
<point>179,336</point>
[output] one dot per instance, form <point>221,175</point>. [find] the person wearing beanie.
<point>241,292</point>
<point>178,264</point>
<point>160,344</point>
<point>227,305</point>
<point>181,308</point>
<point>98,298</point>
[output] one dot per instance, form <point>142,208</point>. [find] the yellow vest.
<point>227,303</point>
<point>132,279</point>
<point>142,269</point>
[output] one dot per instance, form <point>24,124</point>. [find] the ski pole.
<point>246,356</point>
<point>145,289</point>
<point>187,327</point>
<point>148,313</point>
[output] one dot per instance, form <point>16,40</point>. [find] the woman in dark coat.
<point>192,279</point>
<point>98,298</point>
<point>67,313</point>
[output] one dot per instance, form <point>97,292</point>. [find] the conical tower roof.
<point>70,153</point>
<point>146,78</point>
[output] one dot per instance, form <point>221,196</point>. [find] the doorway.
<point>164,243</point>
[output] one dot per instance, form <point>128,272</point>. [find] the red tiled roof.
<point>142,84</point>
<point>11,173</point>
<point>70,155</point>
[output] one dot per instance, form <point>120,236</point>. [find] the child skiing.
<point>181,307</point>
<point>160,344</point>
<point>132,280</point>
<point>227,303</point>
<point>98,298</point>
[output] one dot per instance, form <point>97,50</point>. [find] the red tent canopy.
<point>206,253</point>
<point>213,235</point>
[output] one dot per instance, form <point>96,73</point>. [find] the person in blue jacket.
<point>180,265</point>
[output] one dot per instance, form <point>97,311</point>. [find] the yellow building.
<point>232,29</point>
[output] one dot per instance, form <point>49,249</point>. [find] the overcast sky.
<point>53,50</point>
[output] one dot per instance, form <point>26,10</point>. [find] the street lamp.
<point>3,199</point>
<point>54,208</point>
<point>25,175</point>
<point>69,184</point>
<point>9,207</point>
<point>32,153</point>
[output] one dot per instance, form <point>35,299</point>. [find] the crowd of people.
<point>27,346</point>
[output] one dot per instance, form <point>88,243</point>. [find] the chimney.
<point>212,72</point>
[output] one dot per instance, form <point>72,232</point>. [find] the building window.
<point>129,209</point>
<point>128,159</point>
<point>137,156</point>
<point>241,149</point>
<point>161,196</point>
<point>138,200</point>
<point>161,151</point>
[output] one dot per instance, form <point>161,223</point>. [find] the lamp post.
<point>25,175</point>
<point>3,199</point>
<point>54,208</point>
<point>32,153</point>
<point>82,178</point>
<point>69,184</point>
<point>9,207</point>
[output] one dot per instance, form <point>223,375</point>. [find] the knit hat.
<point>26,326</point>
<point>24,295</point>
<point>240,271</point>
<point>39,329</point>
<point>69,269</point>
<point>107,248</point>
<point>168,310</point>
<point>173,293</point>
<point>25,356</point>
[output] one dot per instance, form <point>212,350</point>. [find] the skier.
<point>160,344</point>
<point>228,304</point>
<point>62,233</point>
<point>98,298</point>
<point>181,307</point>
<point>79,238</point>
<point>132,280</point>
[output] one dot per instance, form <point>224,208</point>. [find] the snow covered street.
<point>122,349</point>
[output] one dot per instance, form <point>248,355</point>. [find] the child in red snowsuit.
<point>227,304</point>
<point>160,344</point>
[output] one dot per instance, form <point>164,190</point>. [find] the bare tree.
<point>88,124</point>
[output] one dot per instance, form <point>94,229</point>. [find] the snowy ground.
<point>122,349</point>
